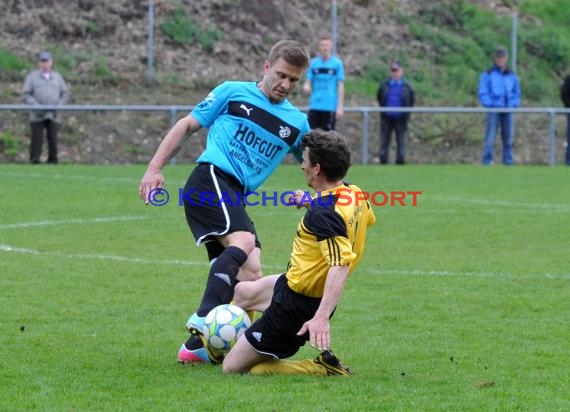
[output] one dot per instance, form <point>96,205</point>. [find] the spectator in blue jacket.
<point>565,96</point>
<point>499,87</point>
<point>394,92</point>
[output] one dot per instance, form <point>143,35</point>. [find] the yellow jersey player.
<point>328,245</point>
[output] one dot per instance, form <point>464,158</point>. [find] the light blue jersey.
<point>324,76</point>
<point>248,135</point>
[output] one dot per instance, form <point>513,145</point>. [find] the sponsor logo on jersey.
<point>268,121</point>
<point>324,70</point>
<point>284,132</point>
<point>247,110</point>
<point>248,137</point>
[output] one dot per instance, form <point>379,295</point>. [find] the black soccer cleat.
<point>332,364</point>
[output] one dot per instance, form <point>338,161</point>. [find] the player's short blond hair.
<point>292,51</point>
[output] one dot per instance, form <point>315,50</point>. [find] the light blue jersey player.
<point>252,126</point>
<point>249,135</point>
<point>325,86</point>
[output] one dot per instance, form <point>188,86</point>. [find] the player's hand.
<point>300,198</point>
<point>152,179</point>
<point>319,333</point>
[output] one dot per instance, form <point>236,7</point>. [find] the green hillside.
<point>460,36</point>
<point>444,46</point>
<point>455,38</point>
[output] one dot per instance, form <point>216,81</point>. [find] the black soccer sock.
<point>222,279</point>
<point>214,249</point>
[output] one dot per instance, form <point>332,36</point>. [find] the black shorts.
<point>320,119</point>
<point>275,333</point>
<point>214,206</point>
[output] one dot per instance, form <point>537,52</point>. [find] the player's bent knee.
<point>248,243</point>
<point>229,369</point>
<point>226,369</point>
<point>244,240</point>
<point>242,295</point>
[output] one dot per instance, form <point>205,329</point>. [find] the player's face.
<point>308,169</point>
<point>280,79</point>
<point>325,47</point>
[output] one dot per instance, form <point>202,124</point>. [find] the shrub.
<point>9,144</point>
<point>184,30</point>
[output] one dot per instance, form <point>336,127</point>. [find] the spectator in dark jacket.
<point>394,92</point>
<point>565,96</point>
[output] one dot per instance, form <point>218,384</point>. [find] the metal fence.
<point>365,112</point>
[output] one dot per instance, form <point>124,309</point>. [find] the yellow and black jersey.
<point>331,233</point>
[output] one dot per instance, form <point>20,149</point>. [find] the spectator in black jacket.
<point>565,95</point>
<point>394,92</point>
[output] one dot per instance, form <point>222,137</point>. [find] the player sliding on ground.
<point>298,304</point>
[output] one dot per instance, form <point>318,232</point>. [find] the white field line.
<point>143,261</point>
<point>278,268</point>
<point>447,273</point>
<point>489,202</point>
<point>71,222</point>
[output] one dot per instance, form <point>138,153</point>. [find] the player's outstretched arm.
<point>169,146</point>
<point>318,327</point>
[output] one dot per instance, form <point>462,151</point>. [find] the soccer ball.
<point>223,326</point>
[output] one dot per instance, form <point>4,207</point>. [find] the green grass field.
<point>461,303</point>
